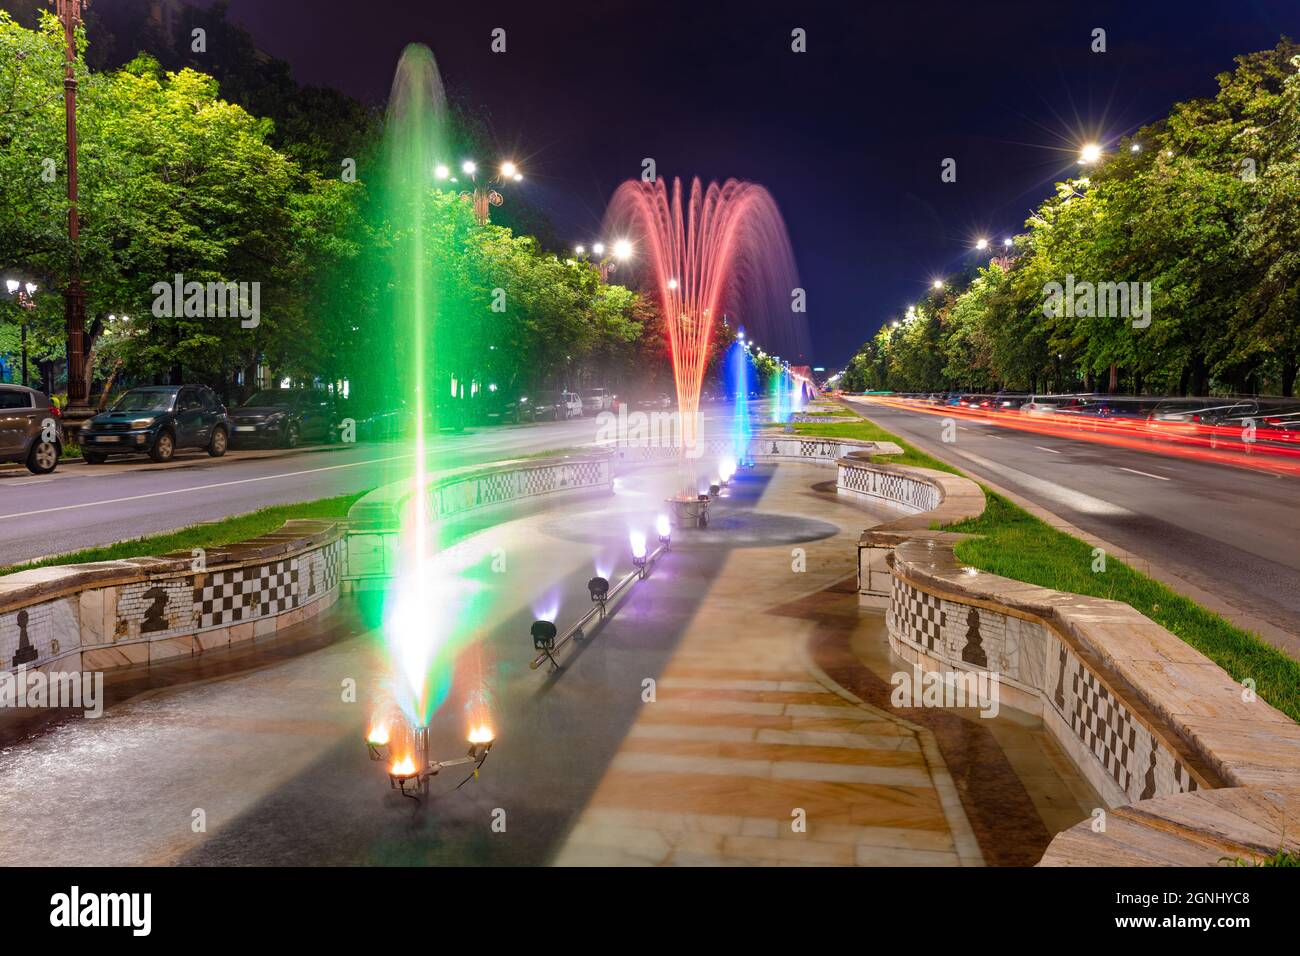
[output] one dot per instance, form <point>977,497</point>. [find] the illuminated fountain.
<point>714,248</point>
<point>431,596</point>
<point>739,380</point>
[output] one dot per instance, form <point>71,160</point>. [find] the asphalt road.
<point>1233,531</point>
<point>80,505</point>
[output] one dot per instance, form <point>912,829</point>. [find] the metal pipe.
<point>600,611</point>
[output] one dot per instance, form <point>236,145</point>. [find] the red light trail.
<point>1190,441</point>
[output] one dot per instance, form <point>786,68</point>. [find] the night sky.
<point>848,136</point>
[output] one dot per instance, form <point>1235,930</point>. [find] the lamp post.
<point>74,296</point>
<point>607,258</point>
<point>483,196</point>
<point>24,292</point>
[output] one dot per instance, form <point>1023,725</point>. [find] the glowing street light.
<point>1135,148</point>
<point>1090,153</point>
<point>938,283</point>
<point>579,250</point>
<point>981,243</point>
<point>483,196</point>
<point>441,172</point>
<point>608,258</point>
<point>24,290</point>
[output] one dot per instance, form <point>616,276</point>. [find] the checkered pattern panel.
<point>1104,725</point>
<point>242,594</point>
<point>582,474</point>
<point>917,616</point>
<point>494,488</point>
<point>819,449</point>
<point>333,558</point>
<point>538,481</point>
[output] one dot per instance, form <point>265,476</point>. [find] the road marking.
<point>1052,450</point>
<point>1049,489</point>
<point>1144,474</point>
<point>219,484</point>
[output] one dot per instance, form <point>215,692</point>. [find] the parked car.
<point>370,422</point>
<point>284,417</point>
<point>30,429</point>
<point>157,420</point>
<point>1190,417</point>
<point>597,400</point>
<point>1009,401</point>
<point>548,405</point>
<point>572,404</point>
<point>656,400</point>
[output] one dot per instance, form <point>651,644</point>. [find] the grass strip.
<point>210,534</point>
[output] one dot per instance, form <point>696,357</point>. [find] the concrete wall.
<point>1142,714</point>
<point>376,519</point>
<point>116,613</point>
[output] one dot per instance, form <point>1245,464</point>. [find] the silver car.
<point>30,429</point>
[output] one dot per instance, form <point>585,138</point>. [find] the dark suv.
<point>158,420</point>
<point>30,431</point>
<point>284,417</point>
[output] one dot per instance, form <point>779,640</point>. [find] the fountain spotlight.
<point>665,529</point>
<point>377,742</point>
<point>727,470</point>
<point>598,588</point>
<point>638,549</point>
<point>715,488</point>
<point>410,774</point>
<point>543,634</point>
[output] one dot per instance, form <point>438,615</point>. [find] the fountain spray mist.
<point>414,138</point>
<point>715,248</point>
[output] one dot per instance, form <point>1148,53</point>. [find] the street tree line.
<point>1197,214</point>
<point>176,179</point>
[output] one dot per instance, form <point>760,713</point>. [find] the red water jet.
<point>723,247</point>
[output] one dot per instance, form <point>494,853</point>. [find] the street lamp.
<point>1090,153</point>
<point>483,194</point>
<point>74,295</point>
<point>938,283</point>
<point>981,243</point>
<point>607,259</point>
<point>23,292</point>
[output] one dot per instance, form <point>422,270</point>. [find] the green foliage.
<point>175,178</point>
<point>1206,210</point>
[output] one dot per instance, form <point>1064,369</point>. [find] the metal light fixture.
<point>598,587</point>
<point>665,529</point>
<point>543,634</point>
<point>410,773</point>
